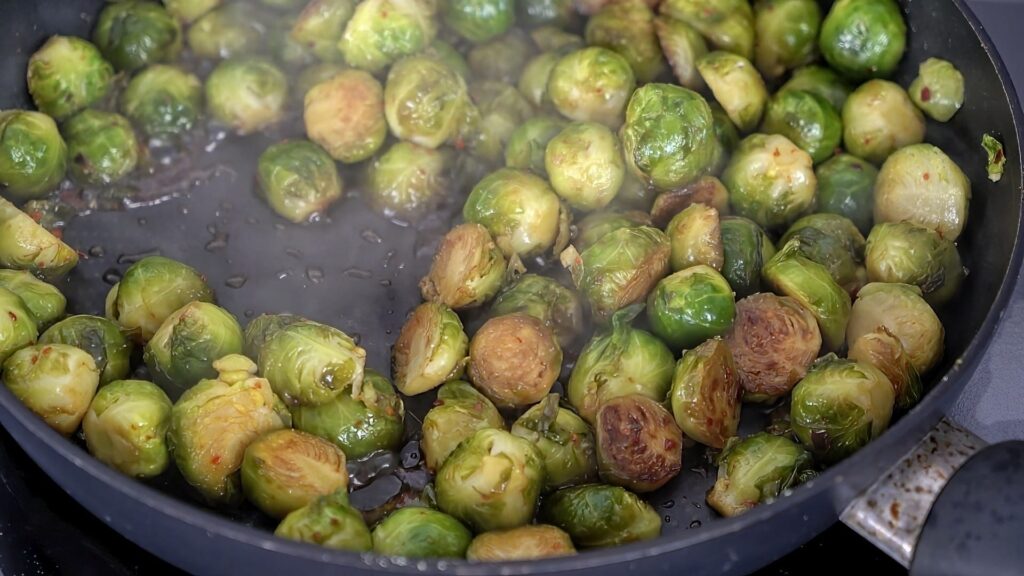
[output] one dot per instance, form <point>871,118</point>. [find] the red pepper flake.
<point>926,94</point>
<point>216,459</point>
<point>927,176</point>
<point>35,358</point>
<point>47,350</point>
<point>12,316</point>
<point>776,153</point>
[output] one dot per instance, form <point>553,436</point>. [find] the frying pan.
<point>357,271</point>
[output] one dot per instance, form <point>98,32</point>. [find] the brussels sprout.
<point>807,119</point>
<point>996,157</point>
<point>726,134</point>
<point>328,521</point>
<point>479,20</point>
<point>584,164</point>
<point>421,533</point>
<point>101,146</point>
<point>639,445</point>
<point>905,253</point>
<point>691,306</point>
<point>533,82</point>
<point>705,394</point>
<point>554,39</point>
<point>878,119</point>
<point>502,59</point>
<point>451,57</point>
<point>345,115</point>
<point>56,381</point>
<point>163,101</point>
<point>530,542</point>
<point>425,101</point>
<point>25,245</point>
<point>597,225</point>
<point>33,156</point>
<point>786,34</point>
<point>520,211</point>
<point>308,363</point>
<point>706,190</point>
<point>514,360</point>
<point>839,407</point>
<point>923,185</point>
<point>834,242</point>
<point>621,361</point>
<point>361,420</point>
<point>545,299</point>
<point>458,413</point>
<point>226,32</point>
<point>938,89</point>
<point>430,349</point>
<point>247,94</point>
<point>320,25</point>
<point>262,328</point>
<point>863,38</point>
<point>183,349</point>
<point>546,13</point>
<point>736,85</point>
<point>189,10</point>
<point>884,351</point>
<point>627,27</point>
<point>18,327</point>
<point>382,31</point>
<point>821,81</point>
<point>150,291</point>
<point>492,481</point>
<point>42,300</point>
<point>774,341</point>
<point>126,427</point>
<point>598,515</point>
<point>286,49</point>
<point>564,441</point>
<point>592,84</point>
<point>682,46</point>
<point>900,309</point>
<point>101,338</point>
<point>696,238</point>
<point>134,34</point>
<point>668,136</point>
<point>284,470</point>
<point>67,75</point>
<point>315,74</point>
<point>214,421</point>
<point>500,110</point>
<point>790,273</point>
<point>755,470</point>
<point>467,271</point>
<point>298,179</point>
<point>846,186</point>
<point>770,180</point>
<point>527,144</point>
<point>727,24</point>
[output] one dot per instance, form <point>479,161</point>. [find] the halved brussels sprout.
<point>366,417</point>
<point>262,328</point>
<point>627,27</point>
<point>247,94</point>
<point>884,351</point>
<point>546,12</point>
<point>284,470</point>
<point>786,33</point>
<point>822,81</point>
<point>425,101</point>
<point>691,306</point>
<point>706,190</point>
<point>183,349</point>
<point>18,327</point>
<point>878,119</point>
<point>527,144</point>
<point>745,250</point>
<point>502,59</point>
<point>467,271</point>
<point>328,521</point>
<point>430,349</point>
<point>101,147</point>
<point>150,291</point>
<point>696,238</point>
<point>597,225</point>
<point>755,470</point>
<point>639,445</point>
<point>492,481</point>
<point>345,115</point>
<point>479,20</point>
<point>421,533</point>
<point>126,427</point>
<point>315,74</point>
<point>558,307</point>
<point>533,81</point>
<point>901,310</point>
<point>706,392</point>
<point>163,101</point>
<point>520,211</point>
<point>66,75</point>
<point>214,421</point>
<point>308,363</point>
<point>668,136</point>
<point>298,179</point>
<point>530,542</point>
<point>839,407</point>
<point>101,338</point>
<point>905,253</point>
<point>382,31</point>
<point>598,515</point>
<point>555,39</point>
<point>923,185</point>
<point>726,134</point>
<point>33,156</point>
<point>774,341</point>
<point>136,33</point>
<point>846,186</point>
<point>790,273</point>
<point>683,46</point>
<point>592,84</point>
<point>770,180</point>
<point>25,245</point>
<point>736,85</point>
<point>727,24</point>
<point>938,89</point>
<point>564,441</point>
<point>42,300</point>
<point>834,242</point>
<point>226,32</point>
<point>459,412</point>
<point>584,165</point>
<point>188,10</point>
<point>621,361</point>
<point>56,381</point>
<point>500,109</point>
<point>514,360</point>
<point>320,25</point>
<point>408,180</point>
<point>807,119</point>
<point>863,38</point>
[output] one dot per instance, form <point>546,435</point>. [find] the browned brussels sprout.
<point>514,360</point>
<point>706,190</point>
<point>639,445</point>
<point>884,351</point>
<point>468,269</point>
<point>705,394</point>
<point>459,412</point>
<point>558,307</point>
<point>523,543</point>
<point>430,349</point>
<point>696,238</point>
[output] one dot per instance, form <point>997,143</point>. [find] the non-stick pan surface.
<point>358,271</point>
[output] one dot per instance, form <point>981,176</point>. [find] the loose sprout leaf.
<point>996,157</point>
